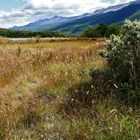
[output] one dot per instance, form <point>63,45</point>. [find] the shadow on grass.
<point>88,94</point>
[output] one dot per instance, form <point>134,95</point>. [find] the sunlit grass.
<point>35,79</point>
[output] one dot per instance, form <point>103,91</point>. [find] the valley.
<point>70,70</point>
<point>76,24</point>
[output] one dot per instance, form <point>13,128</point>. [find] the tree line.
<point>101,30</point>
<point>25,34</point>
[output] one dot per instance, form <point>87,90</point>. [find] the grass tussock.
<point>40,94</point>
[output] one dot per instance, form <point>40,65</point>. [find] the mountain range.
<point>74,25</point>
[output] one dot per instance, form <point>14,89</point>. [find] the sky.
<point>21,12</point>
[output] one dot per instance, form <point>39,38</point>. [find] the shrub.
<point>101,30</point>
<point>38,38</point>
<point>113,29</point>
<point>90,32</point>
<point>123,57</point>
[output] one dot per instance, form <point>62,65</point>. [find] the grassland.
<point>46,89</point>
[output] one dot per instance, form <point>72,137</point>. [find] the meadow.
<point>46,89</point>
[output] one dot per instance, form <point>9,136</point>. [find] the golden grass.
<point>34,81</point>
<point>50,64</point>
<point>43,62</point>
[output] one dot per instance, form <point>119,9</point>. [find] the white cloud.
<point>38,9</point>
<point>89,3</point>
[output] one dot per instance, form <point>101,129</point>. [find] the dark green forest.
<point>25,34</point>
<point>101,30</point>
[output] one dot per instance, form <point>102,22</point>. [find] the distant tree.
<point>102,30</point>
<point>90,32</point>
<point>113,29</point>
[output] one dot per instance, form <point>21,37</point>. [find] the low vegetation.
<point>63,89</point>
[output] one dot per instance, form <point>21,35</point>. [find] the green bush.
<point>113,29</point>
<point>101,30</point>
<point>123,57</point>
<point>90,32</point>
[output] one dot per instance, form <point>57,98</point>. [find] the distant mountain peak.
<point>136,1</point>
<point>75,24</point>
<point>111,8</point>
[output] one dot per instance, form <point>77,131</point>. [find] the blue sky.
<point>7,5</point>
<point>21,12</point>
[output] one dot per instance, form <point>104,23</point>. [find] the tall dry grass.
<point>35,79</point>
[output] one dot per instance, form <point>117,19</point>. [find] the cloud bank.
<point>39,9</point>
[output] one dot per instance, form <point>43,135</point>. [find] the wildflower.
<point>72,99</point>
<point>87,92</point>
